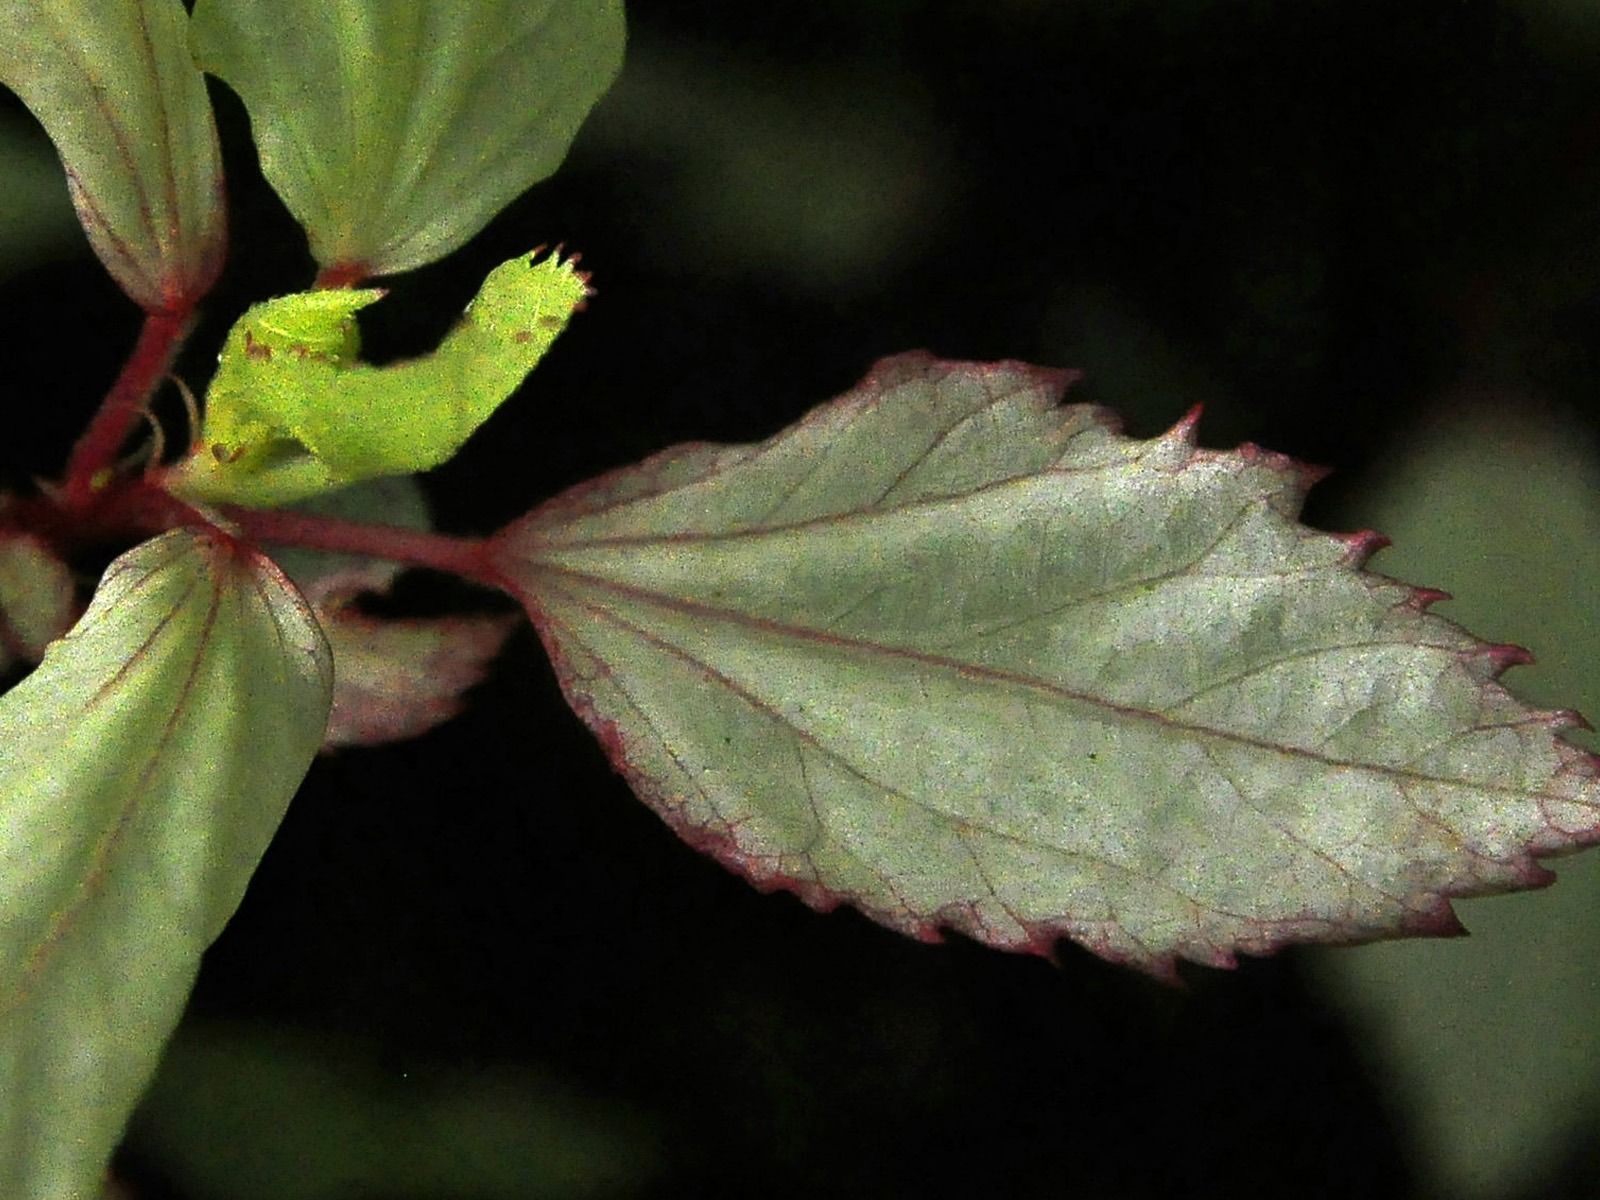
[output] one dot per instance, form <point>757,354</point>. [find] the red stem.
<point>101,444</point>
<point>342,275</point>
<point>466,557</point>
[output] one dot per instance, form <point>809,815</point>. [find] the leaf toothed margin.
<point>969,659</point>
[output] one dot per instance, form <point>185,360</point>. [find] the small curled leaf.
<point>291,414</point>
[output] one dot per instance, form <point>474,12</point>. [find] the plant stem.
<point>441,552</point>
<point>97,450</point>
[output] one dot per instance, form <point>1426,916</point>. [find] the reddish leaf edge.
<point>1435,918</point>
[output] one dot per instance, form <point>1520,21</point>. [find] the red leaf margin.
<point>1578,769</point>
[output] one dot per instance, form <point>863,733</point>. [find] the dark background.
<point>1311,215</point>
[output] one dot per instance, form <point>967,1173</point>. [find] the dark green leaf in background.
<point>241,1112</point>
<point>1489,1044</point>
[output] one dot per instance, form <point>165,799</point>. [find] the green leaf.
<point>394,132</point>
<point>1489,1044</point>
<point>144,767</point>
<point>112,83</point>
<point>968,660</point>
<point>291,414</point>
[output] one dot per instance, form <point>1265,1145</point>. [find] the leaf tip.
<point>1499,657</point>
<point>1188,427</point>
<point>1424,598</point>
<point>1361,545</point>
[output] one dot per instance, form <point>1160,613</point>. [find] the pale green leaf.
<point>394,132</point>
<point>112,83</point>
<point>1490,1043</point>
<point>144,766</point>
<point>968,660</point>
<point>290,413</point>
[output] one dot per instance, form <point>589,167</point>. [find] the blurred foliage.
<point>37,223</point>
<point>244,1112</point>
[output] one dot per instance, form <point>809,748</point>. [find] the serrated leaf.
<point>969,660</point>
<point>112,83</point>
<point>291,414</point>
<point>1489,1044</point>
<point>394,132</point>
<point>144,766</point>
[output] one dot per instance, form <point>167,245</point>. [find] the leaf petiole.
<point>97,451</point>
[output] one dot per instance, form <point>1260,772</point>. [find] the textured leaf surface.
<point>290,413</point>
<point>144,766</point>
<point>969,660</point>
<point>1489,1044</point>
<point>112,83</point>
<point>395,131</point>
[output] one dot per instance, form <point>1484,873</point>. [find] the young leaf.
<point>291,414</point>
<point>397,679</point>
<point>969,660</point>
<point>394,132</point>
<point>392,679</point>
<point>112,83</point>
<point>144,766</point>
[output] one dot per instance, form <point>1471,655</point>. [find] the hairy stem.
<point>97,450</point>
